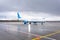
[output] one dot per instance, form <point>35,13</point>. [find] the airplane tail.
<point>18,15</point>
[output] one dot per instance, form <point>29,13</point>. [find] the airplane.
<point>26,21</point>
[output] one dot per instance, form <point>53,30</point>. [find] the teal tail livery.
<point>18,15</point>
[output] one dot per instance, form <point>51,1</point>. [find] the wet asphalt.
<point>19,31</point>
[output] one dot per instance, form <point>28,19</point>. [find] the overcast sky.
<point>51,7</point>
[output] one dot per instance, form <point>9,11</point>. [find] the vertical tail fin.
<point>18,15</point>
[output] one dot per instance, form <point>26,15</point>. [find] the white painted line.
<point>29,33</point>
<point>50,38</point>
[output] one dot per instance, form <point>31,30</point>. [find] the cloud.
<point>12,15</point>
<point>46,6</point>
<point>8,15</point>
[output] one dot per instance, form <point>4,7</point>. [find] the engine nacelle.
<point>25,22</point>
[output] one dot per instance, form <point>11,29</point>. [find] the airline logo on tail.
<point>18,15</point>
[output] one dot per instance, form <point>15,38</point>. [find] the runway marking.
<point>45,36</point>
<point>50,34</point>
<point>29,33</point>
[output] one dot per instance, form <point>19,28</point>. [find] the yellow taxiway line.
<point>48,35</point>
